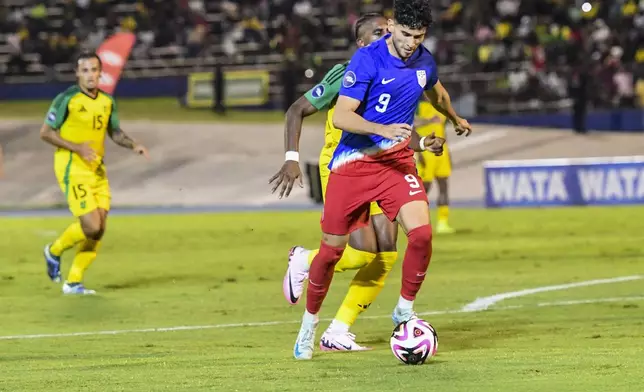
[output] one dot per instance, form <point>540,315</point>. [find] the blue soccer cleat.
<point>53,265</point>
<point>303,349</point>
<point>400,316</point>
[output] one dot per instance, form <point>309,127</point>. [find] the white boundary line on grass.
<point>476,140</point>
<point>287,322</point>
<point>485,302</point>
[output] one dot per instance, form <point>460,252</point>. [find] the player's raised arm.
<point>321,96</point>
<point>420,121</point>
<point>439,97</point>
<point>121,138</point>
<point>294,118</point>
<point>290,170</point>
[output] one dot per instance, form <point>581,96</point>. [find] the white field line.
<point>485,302</point>
<point>287,322</point>
<point>462,144</point>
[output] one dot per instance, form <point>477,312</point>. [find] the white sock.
<point>338,326</point>
<point>310,318</point>
<point>405,304</point>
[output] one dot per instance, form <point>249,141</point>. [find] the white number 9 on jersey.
<point>383,101</point>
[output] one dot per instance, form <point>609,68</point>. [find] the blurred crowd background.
<point>514,54</point>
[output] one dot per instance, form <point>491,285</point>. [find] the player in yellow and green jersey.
<point>372,249</point>
<point>76,124</point>
<point>432,168</point>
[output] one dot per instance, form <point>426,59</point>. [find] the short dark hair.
<point>364,19</point>
<point>86,55</point>
<point>414,14</point>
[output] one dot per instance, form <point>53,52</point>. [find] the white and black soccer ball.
<point>414,341</point>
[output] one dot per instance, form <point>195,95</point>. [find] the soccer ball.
<point>414,341</point>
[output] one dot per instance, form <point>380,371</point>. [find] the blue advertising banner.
<point>564,182</point>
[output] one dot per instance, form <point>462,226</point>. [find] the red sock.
<point>416,261</point>
<point>320,276</point>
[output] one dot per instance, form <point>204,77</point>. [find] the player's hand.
<point>86,152</point>
<point>286,177</point>
<point>141,150</point>
<point>434,144</point>
<point>395,132</point>
<point>461,126</point>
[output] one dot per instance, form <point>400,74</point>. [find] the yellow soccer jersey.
<point>82,119</point>
<point>427,111</point>
<point>324,95</point>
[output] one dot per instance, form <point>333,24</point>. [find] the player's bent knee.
<point>329,254</point>
<point>386,233</point>
<point>387,244</point>
<point>93,228</point>
<point>362,242</point>
<point>420,240</point>
<point>336,241</point>
<point>94,233</point>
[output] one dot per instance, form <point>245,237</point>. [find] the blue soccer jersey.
<point>389,90</point>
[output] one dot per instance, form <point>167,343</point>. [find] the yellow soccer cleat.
<point>442,227</point>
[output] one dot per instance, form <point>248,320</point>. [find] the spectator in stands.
<point>17,64</point>
<point>524,48</point>
<point>639,89</point>
<point>625,87</point>
<point>195,40</point>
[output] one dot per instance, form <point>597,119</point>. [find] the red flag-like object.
<point>114,52</point>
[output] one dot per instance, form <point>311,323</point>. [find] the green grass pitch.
<point>221,269</point>
<point>154,109</point>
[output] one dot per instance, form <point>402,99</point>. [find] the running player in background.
<point>76,124</point>
<point>373,162</point>
<point>429,121</point>
<point>371,249</point>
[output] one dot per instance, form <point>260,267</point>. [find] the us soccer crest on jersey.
<point>421,75</point>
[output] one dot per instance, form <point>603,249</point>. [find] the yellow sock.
<point>352,259</point>
<point>70,237</point>
<point>312,255</point>
<point>85,256</point>
<point>365,287</point>
<point>443,213</point>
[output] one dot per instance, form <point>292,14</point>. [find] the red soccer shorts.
<point>346,207</point>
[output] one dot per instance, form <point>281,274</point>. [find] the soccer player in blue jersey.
<point>374,160</point>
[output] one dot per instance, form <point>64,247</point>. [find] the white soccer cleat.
<point>76,289</point>
<point>400,316</point>
<point>296,273</point>
<point>340,341</point>
<point>305,340</point>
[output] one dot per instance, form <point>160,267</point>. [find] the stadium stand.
<point>516,55</point>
